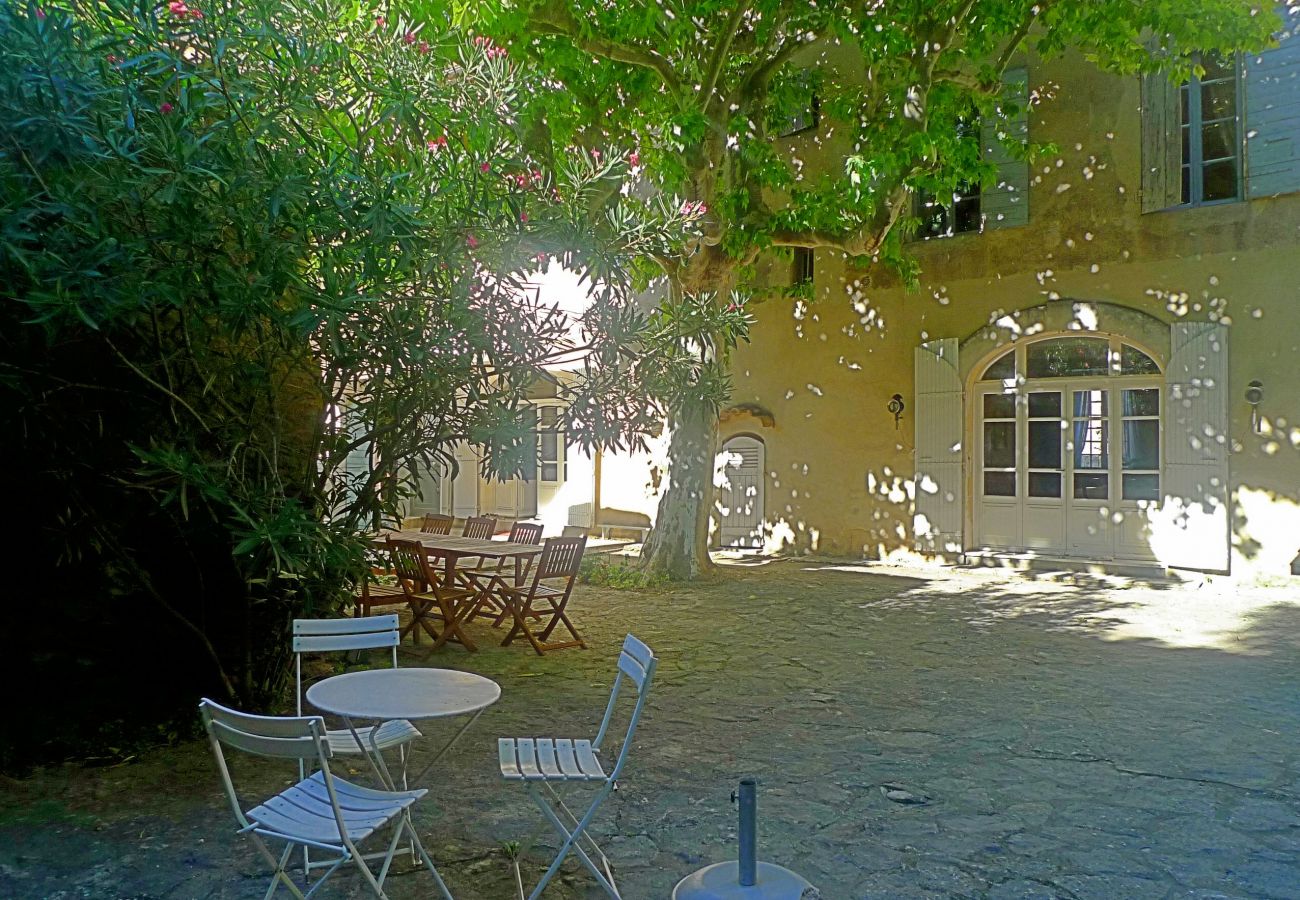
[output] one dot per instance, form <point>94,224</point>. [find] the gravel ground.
<point>916,733</point>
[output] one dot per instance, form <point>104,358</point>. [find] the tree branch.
<point>557,19</point>
<point>721,51</point>
<point>1018,37</point>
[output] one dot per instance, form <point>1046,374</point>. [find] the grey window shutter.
<point>1162,143</point>
<point>937,519</point>
<point>1273,114</point>
<point>1191,529</point>
<point>1006,204</point>
<point>464,488</point>
<point>356,465</point>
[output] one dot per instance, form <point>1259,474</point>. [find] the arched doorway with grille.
<point>739,479</point>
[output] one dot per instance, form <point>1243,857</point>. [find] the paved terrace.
<point>917,733</point>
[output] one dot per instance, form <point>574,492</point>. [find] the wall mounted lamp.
<point>896,406</point>
<point>1254,395</point>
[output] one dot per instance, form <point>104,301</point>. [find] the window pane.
<point>1187,184</point>
<point>1067,357</point>
<point>1090,403</point>
<point>550,472</point>
<point>1090,486</point>
<point>999,406</point>
<point>1045,484</point>
<point>1133,361</point>
<point>1184,107</point>
<point>548,416</point>
<point>1219,140</point>
<point>1144,402</point>
<point>1002,368</point>
<point>1219,180</point>
<point>1045,445</point>
<point>999,484</point>
<point>1217,66</point>
<point>1000,444</point>
<point>1045,404</point>
<point>966,217</point>
<point>1142,444</point>
<point>1141,487</point>
<point>550,445</point>
<point>1218,100</point>
<point>1090,450</point>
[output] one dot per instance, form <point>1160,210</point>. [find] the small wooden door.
<point>740,492</point>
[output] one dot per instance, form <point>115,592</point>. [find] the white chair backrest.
<point>301,738</point>
<point>325,635</point>
<point>636,663</point>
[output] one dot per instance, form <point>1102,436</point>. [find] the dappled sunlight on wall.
<point>634,481</point>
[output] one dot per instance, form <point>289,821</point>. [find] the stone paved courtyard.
<point>1047,736</point>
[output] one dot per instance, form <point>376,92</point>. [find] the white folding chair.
<point>320,811</point>
<point>368,633</point>
<point>329,635</point>
<point>538,763</point>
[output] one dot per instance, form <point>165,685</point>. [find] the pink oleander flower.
<point>177,8</point>
<point>523,217</point>
<point>380,21</point>
<point>541,257</point>
<point>485,168</point>
<point>471,242</point>
<point>409,37</point>
<point>424,46</point>
<point>634,159</point>
<point>166,108</point>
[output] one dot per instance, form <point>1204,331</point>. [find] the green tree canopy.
<point>697,95</point>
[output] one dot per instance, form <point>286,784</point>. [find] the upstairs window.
<point>1210,130</point>
<point>803,267</point>
<point>957,213</point>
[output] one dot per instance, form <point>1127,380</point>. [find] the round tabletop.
<point>403,694</point>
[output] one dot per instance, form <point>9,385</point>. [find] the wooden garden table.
<point>450,549</point>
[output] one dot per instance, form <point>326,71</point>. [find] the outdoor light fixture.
<point>896,406</point>
<point>1254,394</point>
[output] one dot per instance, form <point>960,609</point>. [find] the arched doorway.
<point>1067,449</point>
<point>739,480</point>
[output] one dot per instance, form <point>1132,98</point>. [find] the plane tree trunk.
<point>678,545</point>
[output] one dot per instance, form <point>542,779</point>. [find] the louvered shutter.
<point>1273,114</point>
<point>1006,205</point>
<point>937,520</point>
<point>356,465</point>
<point>1162,146</point>
<point>1191,529</point>
<point>464,488</point>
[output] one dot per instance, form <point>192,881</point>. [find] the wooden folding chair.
<point>561,558</point>
<point>436,524</point>
<point>375,593</point>
<point>430,597</point>
<point>486,578</point>
<point>480,528</point>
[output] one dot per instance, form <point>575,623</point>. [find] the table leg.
<point>451,743</point>
<point>373,755</point>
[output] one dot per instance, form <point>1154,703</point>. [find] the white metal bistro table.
<point>382,694</point>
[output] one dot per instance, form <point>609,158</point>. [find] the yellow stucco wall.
<point>839,474</point>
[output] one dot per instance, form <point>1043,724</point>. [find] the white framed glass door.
<point>1068,449</point>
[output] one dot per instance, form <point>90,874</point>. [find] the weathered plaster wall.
<point>839,473</point>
